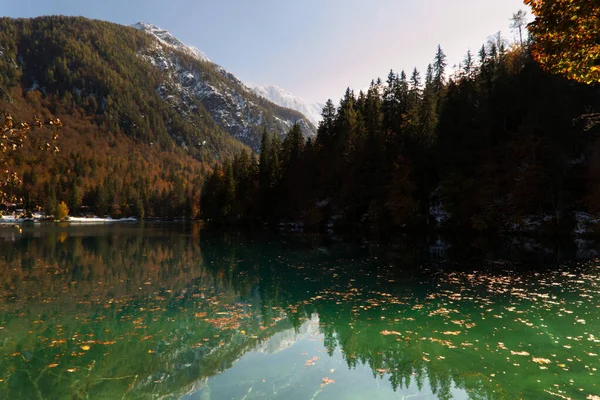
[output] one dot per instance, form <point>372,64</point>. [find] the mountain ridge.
<point>286,99</point>
<point>234,106</point>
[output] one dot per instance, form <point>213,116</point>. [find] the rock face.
<point>190,77</point>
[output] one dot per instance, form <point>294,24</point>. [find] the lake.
<point>143,311</point>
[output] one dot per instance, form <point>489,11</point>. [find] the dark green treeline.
<point>488,149</point>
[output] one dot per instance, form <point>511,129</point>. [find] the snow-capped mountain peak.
<point>285,99</point>
<point>230,102</point>
<point>167,38</point>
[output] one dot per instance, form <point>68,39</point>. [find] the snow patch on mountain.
<point>232,104</point>
<point>285,99</point>
<point>167,38</point>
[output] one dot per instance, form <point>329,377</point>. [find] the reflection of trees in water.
<point>98,313</point>
<point>480,332</point>
<point>163,309</point>
<point>61,264</point>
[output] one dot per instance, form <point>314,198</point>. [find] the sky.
<point>313,48</point>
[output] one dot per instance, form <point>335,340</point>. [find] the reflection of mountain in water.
<point>286,339</point>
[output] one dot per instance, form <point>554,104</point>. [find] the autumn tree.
<point>567,37</point>
<point>62,211</point>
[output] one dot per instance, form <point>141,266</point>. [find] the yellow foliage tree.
<point>567,37</point>
<point>62,211</point>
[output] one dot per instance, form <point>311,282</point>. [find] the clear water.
<point>167,311</point>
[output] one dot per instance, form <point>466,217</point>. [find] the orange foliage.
<point>567,37</point>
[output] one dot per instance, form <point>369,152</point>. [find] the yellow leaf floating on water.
<point>519,353</point>
<point>52,365</point>
<point>85,347</point>
<point>387,333</point>
<point>71,369</point>
<point>452,333</point>
<point>541,360</point>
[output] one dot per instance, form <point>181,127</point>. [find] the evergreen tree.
<point>292,147</point>
<point>439,70</point>
<point>264,161</point>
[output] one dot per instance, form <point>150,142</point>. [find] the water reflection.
<point>161,311</point>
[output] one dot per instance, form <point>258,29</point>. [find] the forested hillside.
<point>142,120</point>
<point>123,150</point>
<point>495,146</point>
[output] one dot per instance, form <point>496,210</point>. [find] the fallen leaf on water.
<point>327,381</point>
<point>85,347</point>
<point>52,365</point>
<point>541,360</point>
<point>452,333</point>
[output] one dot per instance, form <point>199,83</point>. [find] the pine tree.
<point>439,71</point>
<point>347,126</point>
<point>274,161</point>
<point>428,110</point>
<point>468,69</point>
<point>415,88</point>
<point>228,202</point>
<point>372,112</point>
<point>264,165</point>
<point>326,125</point>
<point>292,147</point>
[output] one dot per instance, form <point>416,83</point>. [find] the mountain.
<point>190,76</point>
<point>124,150</point>
<point>166,38</point>
<point>284,98</point>
<point>145,117</point>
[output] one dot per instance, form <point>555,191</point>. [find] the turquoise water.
<point>167,311</point>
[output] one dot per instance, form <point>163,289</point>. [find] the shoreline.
<point>70,220</point>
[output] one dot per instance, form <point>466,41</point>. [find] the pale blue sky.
<point>313,48</point>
